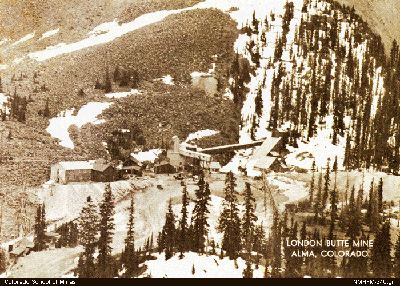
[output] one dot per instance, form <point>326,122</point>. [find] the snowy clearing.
<point>204,267</point>
<point>58,127</point>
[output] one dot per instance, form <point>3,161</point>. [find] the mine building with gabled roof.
<point>82,171</point>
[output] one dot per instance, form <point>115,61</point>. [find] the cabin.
<point>103,171</point>
<point>73,171</point>
<point>131,170</point>
<point>164,167</point>
<point>51,239</point>
<point>82,171</point>
<point>20,248</point>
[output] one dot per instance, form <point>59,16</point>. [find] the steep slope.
<point>320,76</point>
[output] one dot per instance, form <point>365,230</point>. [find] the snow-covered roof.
<point>266,147</point>
<point>100,167</point>
<point>265,162</point>
<point>76,165</point>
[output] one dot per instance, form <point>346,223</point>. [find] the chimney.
<point>175,139</point>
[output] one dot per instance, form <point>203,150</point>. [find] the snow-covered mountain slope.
<point>317,76</point>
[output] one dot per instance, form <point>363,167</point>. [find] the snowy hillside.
<point>315,76</point>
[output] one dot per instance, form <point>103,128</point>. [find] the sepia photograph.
<point>199,139</point>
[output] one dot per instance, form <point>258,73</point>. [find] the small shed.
<point>133,170</point>
<point>132,161</point>
<point>20,248</point>
<point>51,238</point>
<point>103,172</point>
<point>164,167</point>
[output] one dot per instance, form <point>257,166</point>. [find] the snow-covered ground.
<point>150,155</point>
<point>200,134</point>
<point>167,79</point>
<point>49,33</point>
<point>122,94</point>
<point>204,267</point>
<point>25,38</point>
<point>319,148</point>
<point>59,125</point>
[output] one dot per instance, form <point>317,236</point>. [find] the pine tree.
<point>88,229</point>
<point>292,266</point>
<point>347,153</point>
<point>46,112</point>
<point>326,186</point>
<point>130,258</point>
<point>312,184</point>
<point>169,232</point>
<point>396,261</point>
<point>276,248</point>
<point>249,219</point>
<point>381,263</point>
<point>117,73</point>
<point>107,83</point>
<point>229,221</point>
<point>370,203</point>
<point>353,229</point>
<point>183,224</point>
<point>40,228</point>
<point>333,197</point>
<point>380,196</point>
<point>106,227</point>
<point>248,271</point>
<point>200,215</point>
<point>318,200</point>
<point>258,101</point>
<point>73,235</point>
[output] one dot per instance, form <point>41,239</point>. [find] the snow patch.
<point>150,155</point>
<point>167,79</point>
<point>200,134</point>
<point>109,31</point>
<point>59,125</point>
<point>25,38</point>
<point>122,94</point>
<point>49,33</point>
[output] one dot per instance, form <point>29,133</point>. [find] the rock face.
<point>382,17</point>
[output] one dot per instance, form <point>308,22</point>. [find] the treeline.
<point>122,77</point>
